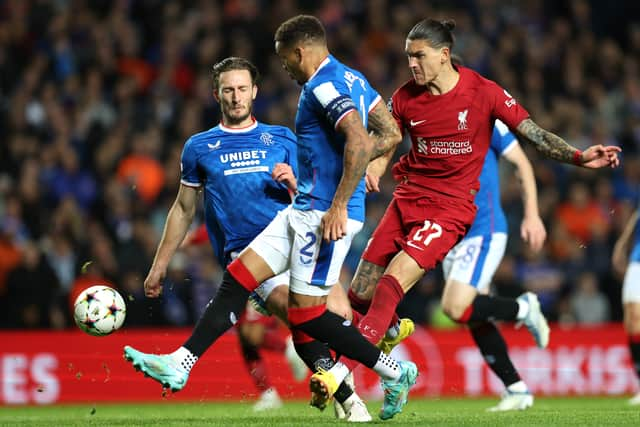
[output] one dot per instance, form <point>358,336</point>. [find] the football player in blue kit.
<point>337,107</point>
<point>247,172</point>
<point>470,265</point>
<point>626,260</point>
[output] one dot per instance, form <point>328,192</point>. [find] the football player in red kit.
<point>449,113</point>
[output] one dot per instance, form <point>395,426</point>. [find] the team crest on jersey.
<point>266,138</point>
<point>462,120</point>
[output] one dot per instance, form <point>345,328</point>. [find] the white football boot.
<point>268,400</point>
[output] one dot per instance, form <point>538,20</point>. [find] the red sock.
<point>358,304</point>
<point>242,274</point>
<point>274,341</point>
<point>356,317</point>
<point>385,300</point>
<point>361,306</point>
<point>258,372</point>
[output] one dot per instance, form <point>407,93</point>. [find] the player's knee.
<point>251,335</point>
<point>278,302</point>
<point>632,321</point>
<point>454,310</point>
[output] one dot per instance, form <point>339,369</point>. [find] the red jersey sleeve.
<point>394,107</point>
<point>505,107</point>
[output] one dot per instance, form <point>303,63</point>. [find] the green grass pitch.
<point>574,411</point>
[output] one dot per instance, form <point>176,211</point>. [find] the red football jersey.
<point>450,133</point>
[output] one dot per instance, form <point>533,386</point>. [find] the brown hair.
<point>233,63</point>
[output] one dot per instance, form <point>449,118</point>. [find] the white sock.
<point>339,371</point>
<point>523,309</point>
<point>185,358</point>
<point>349,401</point>
<point>518,387</point>
<point>387,367</point>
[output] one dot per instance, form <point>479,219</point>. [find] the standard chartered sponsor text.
<point>450,147</point>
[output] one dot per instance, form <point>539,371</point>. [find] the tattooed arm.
<point>387,136</point>
<point>556,148</point>
<point>358,149</point>
<point>384,131</point>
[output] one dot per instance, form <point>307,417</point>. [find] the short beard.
<point>236,120</point>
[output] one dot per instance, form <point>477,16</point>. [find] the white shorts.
<point>266,287</point>
<point>474,260</point>
<point>293,241</point>
<point>631,284</point>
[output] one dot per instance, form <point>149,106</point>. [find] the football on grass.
<point>99,310</point>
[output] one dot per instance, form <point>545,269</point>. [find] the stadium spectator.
<point>32,288</point>
<point>589,306</point>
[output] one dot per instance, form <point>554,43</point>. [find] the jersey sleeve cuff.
<point>191,184</point>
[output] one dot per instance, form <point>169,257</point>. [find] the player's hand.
<point>533,232</point>
<point>372,183</point>
<point>598,156</point>
<point>283,173</point>
<point>153,283</point>
<point>334,224</point>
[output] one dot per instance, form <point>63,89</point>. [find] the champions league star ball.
<point>99,310</point>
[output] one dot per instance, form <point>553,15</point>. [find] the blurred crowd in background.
<point>97,98</point>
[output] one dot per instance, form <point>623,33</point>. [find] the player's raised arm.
<point>175,228</point>
<point>554,147</point>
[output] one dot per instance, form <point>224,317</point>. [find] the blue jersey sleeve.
<point>335,100</point>
<point>189,172</point>
<point>502,139</point>
<point>374,98</point>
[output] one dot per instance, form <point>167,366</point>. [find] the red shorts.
<point>426,227</point>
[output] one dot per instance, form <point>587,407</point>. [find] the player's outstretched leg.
<point>164,368</point>
<point>494,351</point>
<point>396,392</point>
<point>345,339</point>
<point>535,320</point>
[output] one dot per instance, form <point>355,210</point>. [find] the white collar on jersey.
<point>324,62</point>
<point>252,126</point>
